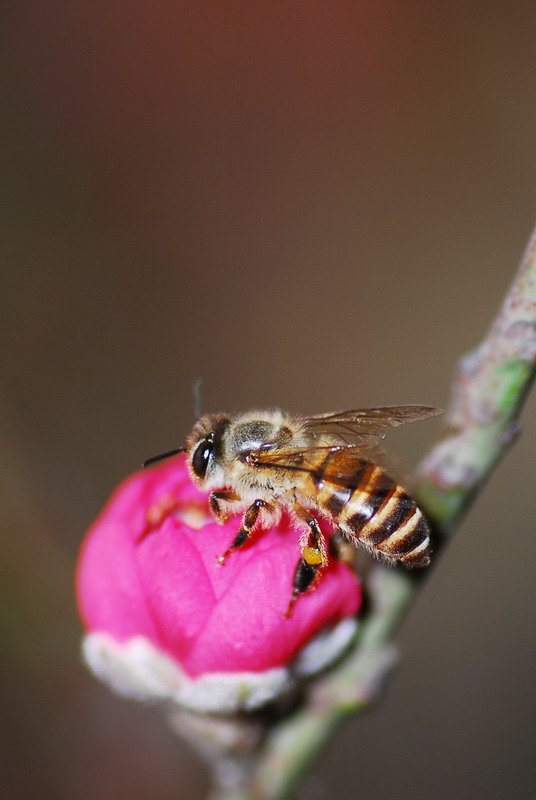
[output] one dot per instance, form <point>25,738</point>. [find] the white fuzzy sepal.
<point>138,669</point>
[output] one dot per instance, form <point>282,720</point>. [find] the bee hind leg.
<point>314,557</point>
<point>248,523</point>
<point>341,549</point>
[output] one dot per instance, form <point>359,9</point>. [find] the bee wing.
<point>340,470</point>
<point>366,426</point>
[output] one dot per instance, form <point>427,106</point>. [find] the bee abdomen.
<point>382,516</point>
<point>409,542</point>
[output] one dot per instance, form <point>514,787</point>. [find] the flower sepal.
<point>137,669</point>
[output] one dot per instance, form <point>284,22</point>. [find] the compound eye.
<point>201,457</point>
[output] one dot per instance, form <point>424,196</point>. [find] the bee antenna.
<point>196,391</point>
<point>163,455</point>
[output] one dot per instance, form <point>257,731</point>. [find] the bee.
<point>261,462</point>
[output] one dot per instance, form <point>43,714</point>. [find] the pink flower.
<point>148,574</point>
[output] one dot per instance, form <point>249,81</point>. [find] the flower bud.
<point>166,621</point>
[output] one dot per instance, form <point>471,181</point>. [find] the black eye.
<point>201,457</point>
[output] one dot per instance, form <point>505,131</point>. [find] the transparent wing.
<point>366,426</point>
<point>336,464</point>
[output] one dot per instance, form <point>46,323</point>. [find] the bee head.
<point>204,446</point>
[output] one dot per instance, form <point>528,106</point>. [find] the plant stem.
<point>489,388</point>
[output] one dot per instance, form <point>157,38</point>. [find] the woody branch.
<point>490,386</point>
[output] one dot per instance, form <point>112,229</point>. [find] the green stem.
<point>294,744</point>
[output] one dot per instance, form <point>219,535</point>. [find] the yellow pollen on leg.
<point>311,555</point>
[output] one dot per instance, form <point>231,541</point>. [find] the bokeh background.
<point>311,205</point>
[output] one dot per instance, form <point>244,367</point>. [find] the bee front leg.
<point>314,556</point>
<point>248,523</point>
<point>215,500</point>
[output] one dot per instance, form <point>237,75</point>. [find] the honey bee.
<point>261,462</point>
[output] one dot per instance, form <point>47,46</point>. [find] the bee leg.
<point>215,499</point>
<point>340,548</point>
<point>304,577</point>
<point>312,542</point>
<point>248,523</point>
<point>314,557</point>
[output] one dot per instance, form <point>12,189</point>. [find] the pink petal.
<point>247,630</point>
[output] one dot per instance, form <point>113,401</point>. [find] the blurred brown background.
<point>311,205</point>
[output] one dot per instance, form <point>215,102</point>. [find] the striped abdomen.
<point>374,510</point>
